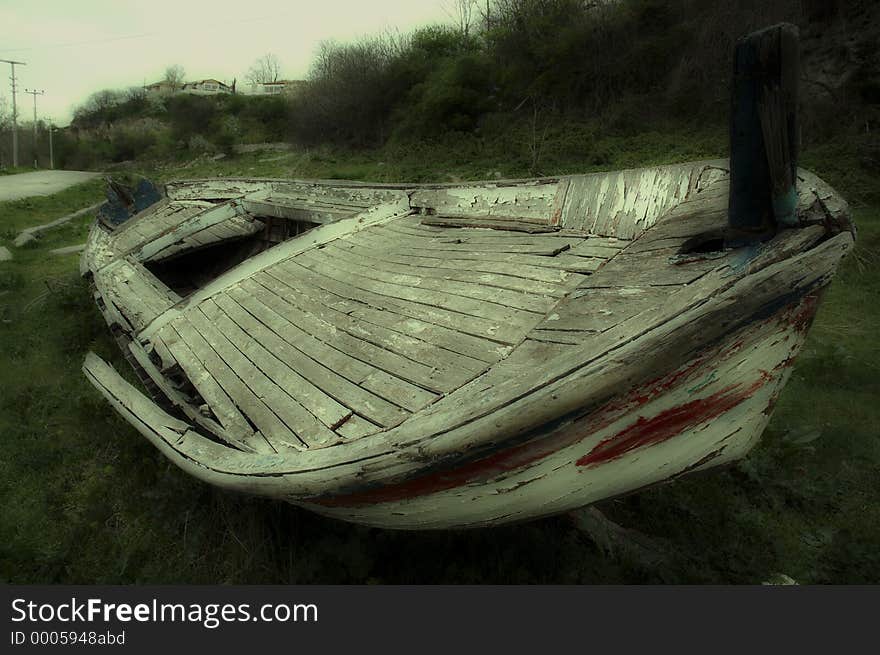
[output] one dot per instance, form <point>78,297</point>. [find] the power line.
<point>14,111</point>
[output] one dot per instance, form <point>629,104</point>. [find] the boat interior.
<point>279,315</point>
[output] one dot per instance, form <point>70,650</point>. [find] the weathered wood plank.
<point>188,227</point>
<point>513,266</point>
<point>596,310</point>
<point>398,365</point>
<point>625,203</point>
<point>273,311</point>
<point>364,276</point>
<point>488,222</point>
<point>560,337</point>
<point>655,268</point>
<point>240,435</point>
<point>546,247</point>
<point>454,341</point>
<point>294,210</point>
<point>430,355</point>
<point>414,266</point>
<point>361,290</point>
<point>575,264</point>
<point>472,289</point>
<point>136,292</point>
<point>184,350</point>
<point>190,237</point>
<point>409,396</point>
<point>99,250</point>
<point>376,240</point>
<point>299,393</point>
<point>335,386</point>
<point>529,200</point>
<point>144,228</point>
<point>311,239</point>
<point>588,249</point>
<point>239,378</point>
<point>509,269</point>
<point>356,427</point>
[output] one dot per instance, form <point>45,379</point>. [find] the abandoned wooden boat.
<point>434,356</point>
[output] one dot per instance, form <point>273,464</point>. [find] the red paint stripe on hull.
<point>648,431</point>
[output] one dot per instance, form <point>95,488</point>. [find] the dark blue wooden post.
<point>764,134</point>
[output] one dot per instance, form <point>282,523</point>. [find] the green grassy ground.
<point>87,500</point>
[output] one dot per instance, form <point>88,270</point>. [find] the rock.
<point>24,239</point>
<point>5,255</point>
<point>219,156</point>
<point>780,579</point>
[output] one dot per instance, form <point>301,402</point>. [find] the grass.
<point>87,500</point>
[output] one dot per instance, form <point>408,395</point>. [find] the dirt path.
<point>40,183</point>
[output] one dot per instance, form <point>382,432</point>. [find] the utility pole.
<point>35,94</point>
<point>14,111</point>
<point>51,152</point>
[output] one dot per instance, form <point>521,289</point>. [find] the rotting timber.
<point>433,356</point>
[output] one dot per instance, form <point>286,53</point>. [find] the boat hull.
<point>709,412</point>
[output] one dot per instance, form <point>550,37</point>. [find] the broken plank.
<point>487,222</point>
<point>219,402</point>
<point>356,427</point>
<point>238,435</point>
<point>227,366</point>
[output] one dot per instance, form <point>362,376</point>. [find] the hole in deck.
<point>190,270</point>
<point>703,243</point>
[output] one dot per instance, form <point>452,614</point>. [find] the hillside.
<point>528,83</point>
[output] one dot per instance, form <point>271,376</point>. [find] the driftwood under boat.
<point>437,356</point>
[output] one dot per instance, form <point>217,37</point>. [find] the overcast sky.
<point>76,47</point>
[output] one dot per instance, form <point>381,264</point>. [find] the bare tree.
<point>265,69</point>
<point>134,93</point>
<point>463,12</point>
<point>175,75</point>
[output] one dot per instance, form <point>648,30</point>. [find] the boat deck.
<point>345,340</point>
<point>381,309</point>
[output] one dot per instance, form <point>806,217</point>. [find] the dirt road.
<point>40,183</point>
